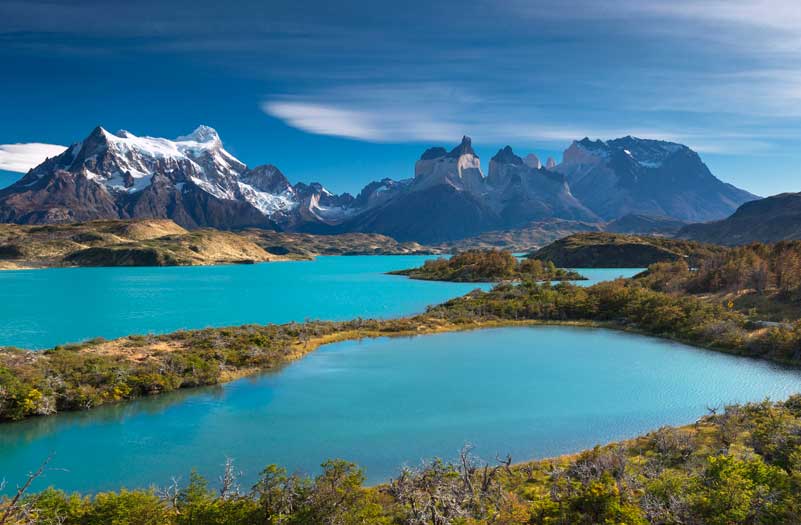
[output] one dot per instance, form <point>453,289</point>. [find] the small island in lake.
<point>475,266</point>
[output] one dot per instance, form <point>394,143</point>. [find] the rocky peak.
<point>586,152</point>
<point>550,163</point>
<point>464,148</point>
<point>433,153</point>
<point>507,156</point>
<point>267,178</point>
<point>202,134</point>
<point>532,161</point>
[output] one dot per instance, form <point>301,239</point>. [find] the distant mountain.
<point>443,201</point>
<point>646,224</point>
<point>194,181</point>
<point>651,177</point>
<point>450,198</point>
<point>771,219</point>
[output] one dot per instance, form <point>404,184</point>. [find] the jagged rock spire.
<point>464,148</point>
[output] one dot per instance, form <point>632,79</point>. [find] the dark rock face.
<point>522,194</point>
<point>267,178</point>
<point>440,212</point>
<point>464,148</point>
<point>62,197</point>
<point>507,156</point>
<point>433,153</point>
<point>772,219</point>
<point>650,177</point>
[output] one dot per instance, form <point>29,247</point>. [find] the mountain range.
<point>194,181</point>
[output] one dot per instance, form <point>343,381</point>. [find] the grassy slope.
<point>612,250</point>
<point>161,242</point>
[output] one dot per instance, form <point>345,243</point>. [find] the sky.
<point>348,92</point>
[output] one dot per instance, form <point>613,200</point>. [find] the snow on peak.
<point>645,152</point>
<point>202,134</point>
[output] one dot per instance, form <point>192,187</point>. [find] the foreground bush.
<point>742,465</point>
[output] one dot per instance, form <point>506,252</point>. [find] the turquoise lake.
<point>43,308</point>
<point>528,391</point>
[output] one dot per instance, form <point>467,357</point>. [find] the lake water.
<point>528,391</point>
<point>43,308</point>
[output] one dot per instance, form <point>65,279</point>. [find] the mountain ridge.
<point>772,219</point>
<point>194,181</point>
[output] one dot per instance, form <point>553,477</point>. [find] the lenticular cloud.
<point>22,157</point>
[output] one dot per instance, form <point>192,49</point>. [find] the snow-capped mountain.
<point>653,177</point>
<point>194,181</point>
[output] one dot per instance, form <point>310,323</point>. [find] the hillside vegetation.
<point>764,279</point>
<point>741,465</point>
<point>611,250</point>
<point>487,266</point>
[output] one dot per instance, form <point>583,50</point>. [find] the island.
<point>474,266</point>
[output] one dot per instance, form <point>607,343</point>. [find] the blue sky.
<point>348,92</point>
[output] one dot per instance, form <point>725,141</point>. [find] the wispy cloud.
<point>385,115</point>
<point>22,157</point>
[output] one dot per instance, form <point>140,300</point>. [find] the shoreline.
<point>116,348</point>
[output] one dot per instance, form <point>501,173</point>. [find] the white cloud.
<point>389,122</point>
<point>23,157</point>
<point>373,124</point>
<point>324,120</point>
